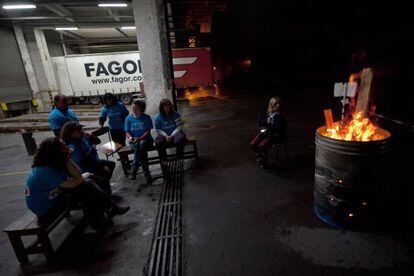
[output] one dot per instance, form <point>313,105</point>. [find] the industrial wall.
<point>14,87</point>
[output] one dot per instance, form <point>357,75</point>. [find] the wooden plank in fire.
<point>364,90</point>
<point>328,118</point>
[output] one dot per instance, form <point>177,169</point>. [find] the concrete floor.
<point>238,219</point>
<point>241,220</point>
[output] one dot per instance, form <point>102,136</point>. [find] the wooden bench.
<point>124,153</point>
<point>29,225</point>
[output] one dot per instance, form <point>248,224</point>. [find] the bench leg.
<point>124,163</point>
<point>195,151</point>
<point>46,245</point>
<point>18,247</point>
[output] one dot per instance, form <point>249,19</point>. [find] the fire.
<point>358,129</point>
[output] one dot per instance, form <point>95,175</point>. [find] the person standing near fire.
<point>272,130</point>
<point>116,112</point>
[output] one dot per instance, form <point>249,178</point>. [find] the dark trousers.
<point>140,150</point>
<point>261,143</point>
<point>103,173</point>
<point>118,136</point>
<point>178,141</point>
<point>92,199</point>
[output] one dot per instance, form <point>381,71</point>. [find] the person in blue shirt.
<point>84,154</point>
<point>272,130</point>
<point>116,112</point>
<point>61,114</point>
<point>55,182</point>
<point>169,126</point>
<point>138,131</point>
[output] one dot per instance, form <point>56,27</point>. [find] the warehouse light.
<point>111,5</point>
<point>18,7</point>
<point>66,28</point>
<point>128,28</point>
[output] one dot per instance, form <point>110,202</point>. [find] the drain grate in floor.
<point>166,251</point>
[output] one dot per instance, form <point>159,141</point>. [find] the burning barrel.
<point>347,172</point>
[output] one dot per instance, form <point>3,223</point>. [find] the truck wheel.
<point>95,100</point>
<point>126,98</point>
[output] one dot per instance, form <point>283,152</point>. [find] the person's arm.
<point>75,117</point>
<point>127,129</point>
<point>158,125</point>
<point>178,129</point>
<point>145,135</point>
<point>102,116</point>
<point>179,125</point>
<point>147,132</point>
<point>54,121</point>
<point>125,112</point>
<point>75,175</point>
<point>162,133</point>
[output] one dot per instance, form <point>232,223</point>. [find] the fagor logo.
<point>182,61</point>
<point>112,68</point>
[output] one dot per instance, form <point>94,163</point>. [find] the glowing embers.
<point>358,129</point>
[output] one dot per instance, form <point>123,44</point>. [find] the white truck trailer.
<point>86,78</point>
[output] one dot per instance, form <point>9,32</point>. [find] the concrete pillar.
<point>152,40</point>
<point>45,58</point>
<point>42,62</point>
<point>27,62</point>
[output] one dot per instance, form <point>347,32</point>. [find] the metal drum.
<point>347,177</point>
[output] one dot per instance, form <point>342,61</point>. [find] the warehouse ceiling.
<point>103,29</point>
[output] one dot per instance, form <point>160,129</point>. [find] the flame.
<point>358,129</point>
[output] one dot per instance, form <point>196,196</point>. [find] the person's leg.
<point>135,165</point>
<point>107,168</point>
<point>179,142</point>
<point>262,148</point>
<point>255,142</point>
<point>143,155</point>
<point>95,203</point>
<point>161,145</point>
<point>102,183</point>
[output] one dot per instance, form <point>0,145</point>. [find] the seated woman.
<point>138,131</point>
<point>272,130</point>
<point>169,128</point>
<point>55,182</point>
<point>85,155</point>
<point>116,112</point>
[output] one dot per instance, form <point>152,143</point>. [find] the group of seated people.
<point>67,170</point>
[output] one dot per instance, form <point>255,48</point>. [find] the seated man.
<point>138,127</point>
<point>61,114</point>
<point>85,155</point>
<point>55,182</point>
<point>169,128</point>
